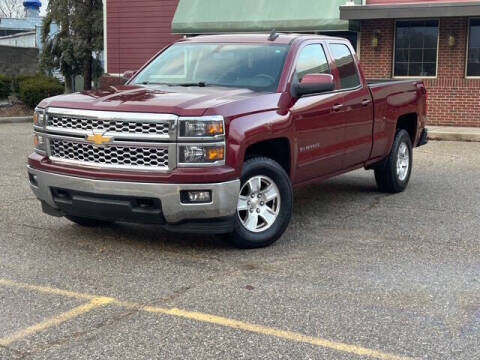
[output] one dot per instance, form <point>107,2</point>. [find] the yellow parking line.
<point>283,334</point>
<point>57,320</point>
<point>191,315</point>
<point>46,290</point>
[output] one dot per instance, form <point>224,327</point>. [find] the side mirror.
<point>128,74</point>
<point>314,84</point>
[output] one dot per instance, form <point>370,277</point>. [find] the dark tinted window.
<point>312,60</point>
<point>473,61</point>
<point>416,48</point>
<point>346,66</point>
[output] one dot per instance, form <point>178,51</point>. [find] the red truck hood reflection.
<point>184,101</point>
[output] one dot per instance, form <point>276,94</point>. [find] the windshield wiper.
<point>155,83</point>
<point>199,84</point>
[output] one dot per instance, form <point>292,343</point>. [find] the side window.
<point>312,60</point>
<point>345,65</point>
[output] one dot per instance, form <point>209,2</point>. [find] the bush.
<point>34,89</point>
<point>5,86</point>
<point>18,79</point>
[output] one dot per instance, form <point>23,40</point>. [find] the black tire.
<point>86,222</point>
<point>386,172</point>
<point>246,239</point>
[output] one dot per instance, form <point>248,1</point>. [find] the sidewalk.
<point>452,133</point>
<point>16,119</point>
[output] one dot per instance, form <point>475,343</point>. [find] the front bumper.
<point>100,194</point>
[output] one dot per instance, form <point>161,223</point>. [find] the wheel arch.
<point>277,149</point>
<point>409,122</point>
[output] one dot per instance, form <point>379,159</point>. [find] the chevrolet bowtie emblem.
<point>99,139</point>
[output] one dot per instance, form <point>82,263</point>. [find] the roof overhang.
<point>234,16</point>
<point>19,35</point>
<point>404,11</point>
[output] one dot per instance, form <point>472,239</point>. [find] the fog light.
<point>202,196</point>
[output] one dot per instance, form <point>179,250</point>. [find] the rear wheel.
<point>86,222</point>
<point>264,204</point>
<point>393,174</point>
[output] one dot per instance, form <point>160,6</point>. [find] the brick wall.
<point>377,62</point>
<point>452,99</point>
<point>136,30</point>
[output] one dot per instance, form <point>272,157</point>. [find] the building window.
<point>416,48</point>
<point>473,60</point>
<point>347,70</point>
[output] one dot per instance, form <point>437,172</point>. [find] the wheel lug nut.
<point>258,210</point>
<point>262,203</point>
<point>259,196</point>
<point>251,210</point>
<point>253,195</point>
<point>248,202</point>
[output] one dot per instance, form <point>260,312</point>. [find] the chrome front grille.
<point>115,126</point>
<point>132,157</point>
<point>130,141</point>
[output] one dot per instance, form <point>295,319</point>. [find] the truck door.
<point>318,120</point>
<point>357,106</point>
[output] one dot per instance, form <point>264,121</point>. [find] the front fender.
<point>254,128</point>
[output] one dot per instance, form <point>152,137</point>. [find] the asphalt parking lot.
<point>358,275</point>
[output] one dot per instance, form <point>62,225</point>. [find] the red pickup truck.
<point>213,133</point>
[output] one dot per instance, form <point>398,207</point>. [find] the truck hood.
<point>183,101</point>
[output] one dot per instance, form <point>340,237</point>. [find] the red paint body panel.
<point>328,133</point>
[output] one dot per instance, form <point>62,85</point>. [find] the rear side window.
<point>345,65</point>
<point>312,60</point>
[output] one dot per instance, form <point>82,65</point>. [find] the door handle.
<point>337,107</point>
<point>365,102</point>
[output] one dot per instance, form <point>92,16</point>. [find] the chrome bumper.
<point>224,195</point>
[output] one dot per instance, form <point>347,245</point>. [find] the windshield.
<point>252,66</point>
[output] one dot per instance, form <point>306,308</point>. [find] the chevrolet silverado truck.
<point>213,134</point>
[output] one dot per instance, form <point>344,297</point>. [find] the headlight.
<point>39,117</point>
<point>201,127</point>
<point>39,143</point>
<point>201,154</point>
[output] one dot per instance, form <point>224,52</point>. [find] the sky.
<point>44,7</point>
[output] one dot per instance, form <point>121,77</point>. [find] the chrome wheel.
<point>403,161</point>
<point>258,203</point>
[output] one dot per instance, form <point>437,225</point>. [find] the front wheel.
<point>393,174</point>
<point>264,204</point>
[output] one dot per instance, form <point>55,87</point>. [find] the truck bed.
<point>389,96</point>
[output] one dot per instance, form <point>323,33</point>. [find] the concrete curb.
<point>445,133</point>
<point>16,119</point>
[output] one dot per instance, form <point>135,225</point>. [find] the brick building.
<point>437,40</point>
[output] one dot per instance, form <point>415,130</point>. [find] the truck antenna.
<point>273,35</point>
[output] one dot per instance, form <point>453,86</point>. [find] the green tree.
<point>79,36</point>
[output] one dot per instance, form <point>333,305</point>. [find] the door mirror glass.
<point>314,84</point>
